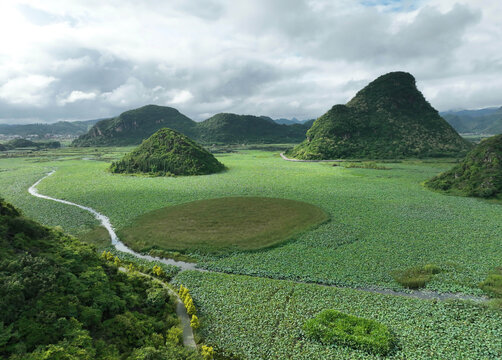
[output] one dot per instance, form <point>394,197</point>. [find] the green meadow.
<point>255,318</point>
<point>381,221</point>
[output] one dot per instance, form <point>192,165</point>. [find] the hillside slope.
<point>59,300</point>
<point>389,118</point>
<point>479,174</point>
<point>133,126</point>
<point>233,128</point>
<point>168,152</point>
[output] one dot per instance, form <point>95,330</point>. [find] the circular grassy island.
<point>222,225</point>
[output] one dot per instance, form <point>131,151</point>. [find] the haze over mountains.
<point>481,121</point>
<point>47,131</point>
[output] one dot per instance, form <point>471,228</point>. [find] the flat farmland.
<point>382,221</point>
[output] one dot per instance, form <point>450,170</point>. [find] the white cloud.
<point>281,58</point>
<point>27,90</point>
<point>181,97</point>
<point>77,95</point>
<point>132,92</point>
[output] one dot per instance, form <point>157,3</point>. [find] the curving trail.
<point>105,221</point>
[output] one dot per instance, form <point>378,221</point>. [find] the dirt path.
<point>181,312</point>
<point>105,221</point>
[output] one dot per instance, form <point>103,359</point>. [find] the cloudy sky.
<point>85,59</point>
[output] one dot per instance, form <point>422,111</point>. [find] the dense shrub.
<point>364,165</point>
<point>493,283</point>
<point>416,277</point>
<point>332,327</point>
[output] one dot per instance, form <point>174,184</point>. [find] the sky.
<point>89,59</point>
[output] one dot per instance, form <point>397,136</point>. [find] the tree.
<point>207,352</point>
<point>194,323</point>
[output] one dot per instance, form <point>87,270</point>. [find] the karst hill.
<point>389,118</point>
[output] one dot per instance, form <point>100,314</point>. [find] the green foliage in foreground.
<point>332,327</point>
<point>479,174</point>
<point>416,277</point>
<point>253,318</point>
<point>168,152</point>
<point>58,300</point>
<point>387,119</point>
<point>222,225</point>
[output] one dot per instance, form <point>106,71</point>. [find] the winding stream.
<point>105,222</point>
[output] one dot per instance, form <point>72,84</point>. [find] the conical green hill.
<point>167,152</point>
<point>389,118</point>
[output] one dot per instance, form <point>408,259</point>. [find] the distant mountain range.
<point>133,126</point>
<point>482,121</point>
<point>45,131</point>
<point>219,127</point>
<point>292,121</point>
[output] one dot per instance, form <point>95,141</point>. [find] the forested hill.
<point>233,128</point>
<point>389,118</point>
<point>134,126</point>
<point>481,121</point>
<point>59,300</point>
<point>167,152</point>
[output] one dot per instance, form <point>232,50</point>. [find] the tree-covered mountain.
<point>168,152</point>
<point>60,300</point>
<point>42,131</point>
<point>481,121</point>
<point>232,128</point>
<point>25,143</point>
<point>133,126</point>
<point>389,118</point>
<point>479,174</point>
